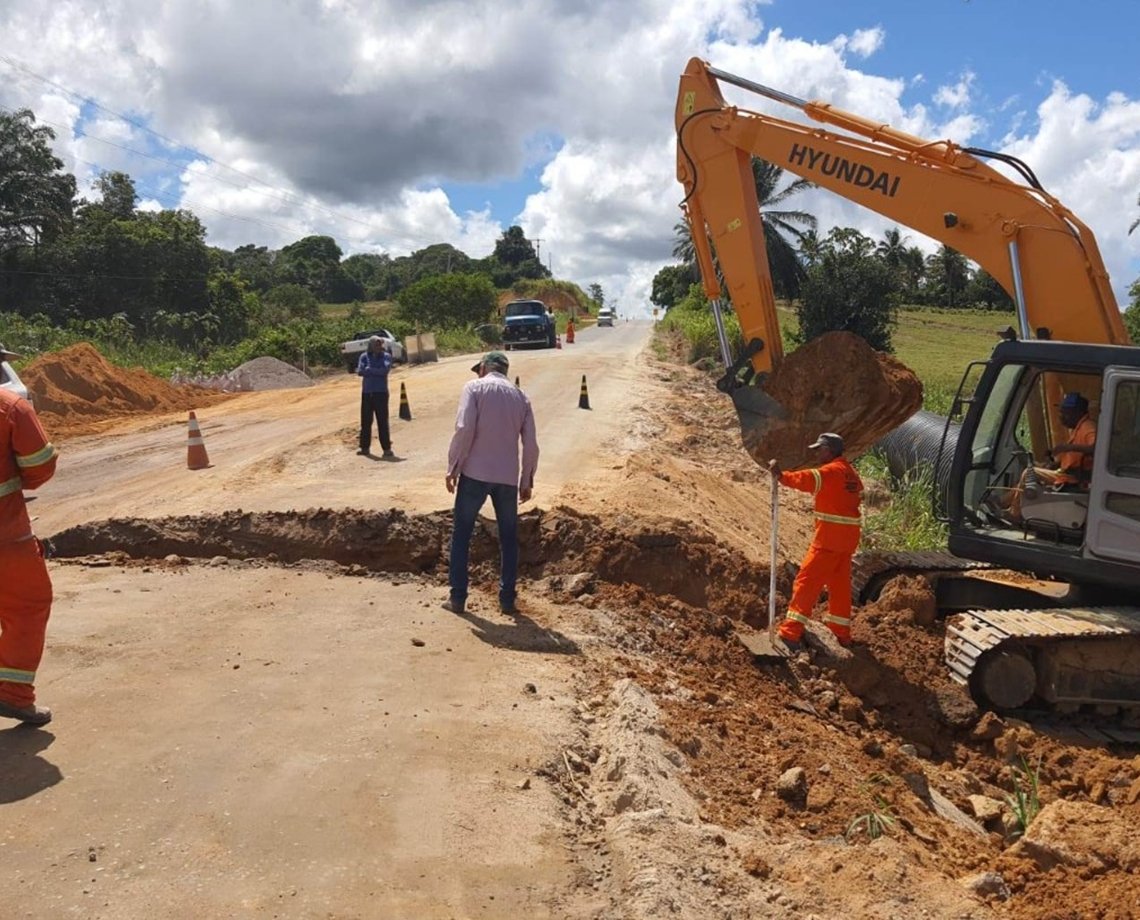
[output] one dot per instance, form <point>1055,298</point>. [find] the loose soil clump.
<point>835,382</point>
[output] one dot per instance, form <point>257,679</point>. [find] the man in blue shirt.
<point>373,367</point>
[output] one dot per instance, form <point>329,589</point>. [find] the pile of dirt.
<point>77,391</point>
<point>266,373</point>
<point>835,382</point>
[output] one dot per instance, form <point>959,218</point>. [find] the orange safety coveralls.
<point>27,460</point>
<point>838,491</point>
<point>1075,467</point>
<point>569,332</point>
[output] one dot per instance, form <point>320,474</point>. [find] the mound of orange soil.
<point>835,382</point>
<point>76,388</point>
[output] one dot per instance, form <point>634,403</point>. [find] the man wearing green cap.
<point>483,462</point>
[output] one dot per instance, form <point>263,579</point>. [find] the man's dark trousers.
<point>374,404</point>
<point>470,495</point>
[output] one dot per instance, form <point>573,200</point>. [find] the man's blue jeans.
<point>470,495</point>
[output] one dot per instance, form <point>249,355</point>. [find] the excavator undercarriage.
<point>1023,645</point>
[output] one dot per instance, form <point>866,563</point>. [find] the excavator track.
<point>870,571</point>
<point>1074,671</point>
<point>1067,660</point>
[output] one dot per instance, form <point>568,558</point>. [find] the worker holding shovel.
<point>838,492</point>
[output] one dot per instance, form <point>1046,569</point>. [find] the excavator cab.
<point>1084,529</point>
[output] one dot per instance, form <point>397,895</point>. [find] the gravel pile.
<point>267,373</point>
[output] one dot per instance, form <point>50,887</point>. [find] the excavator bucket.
<point>835,382</point>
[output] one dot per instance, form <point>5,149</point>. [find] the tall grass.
<point>906,523</point>
<point>694,320</point>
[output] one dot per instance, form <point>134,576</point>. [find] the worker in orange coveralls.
<point>27,460</point>
<point>838,492</point>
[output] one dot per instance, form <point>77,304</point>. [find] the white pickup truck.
<point>9,379</point>
<point>351,350</point>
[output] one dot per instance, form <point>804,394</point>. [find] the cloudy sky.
<point>394,124</point>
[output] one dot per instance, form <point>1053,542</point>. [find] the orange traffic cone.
<point>583,395</point>
<point>196,457</point>
<point>569,332</point>
<point>405,409</point>
<point>557,340</point>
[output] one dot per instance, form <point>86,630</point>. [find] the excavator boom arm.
<point>1028,241</point>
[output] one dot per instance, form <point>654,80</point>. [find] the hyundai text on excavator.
<point>1043,612</point>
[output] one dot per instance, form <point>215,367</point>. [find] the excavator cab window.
<point>1025,490</point>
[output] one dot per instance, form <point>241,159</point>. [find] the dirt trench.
<point>789,761</point>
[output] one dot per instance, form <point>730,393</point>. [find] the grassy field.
<point>376,311</point>
<point>937,345</point>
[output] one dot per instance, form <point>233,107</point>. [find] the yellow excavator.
<point>1043,612</point>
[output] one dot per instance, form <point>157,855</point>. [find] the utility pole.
<point>538,248</point>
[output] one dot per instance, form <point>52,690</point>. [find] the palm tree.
<point>891,248</point>
<point>781,227</point>
<point>811,247</point>
<point>949,271</point>
<point>783,260</point>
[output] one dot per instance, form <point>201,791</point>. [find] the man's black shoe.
<point>453,606</point>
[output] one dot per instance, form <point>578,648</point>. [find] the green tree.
<point>118,196</point>
<point>811,247</point>
<point>947,272</point>
<point>982,290</point>
<point>913,274</point>
<point>848,289</point>
<point>781,228</point>
<point>314,263</point>
<point>138,266</point>
<point>1132,314</point>
<point>448,301</point>
<point>513,248</point>
<point>291,301</point>
<point>597,295</point>
<point>671,284</point>
<point>253,265</point>
<point>36,197</point>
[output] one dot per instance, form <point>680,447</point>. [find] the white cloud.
<point>956,96</point>
<point>866,42</point>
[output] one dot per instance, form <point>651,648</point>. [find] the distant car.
<point>606,317</point>
<point>351,350</point>
<point>528,322</point>
<point>9,379</point>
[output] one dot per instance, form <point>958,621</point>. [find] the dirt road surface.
<point>265,713</point>
<point>285,449</point>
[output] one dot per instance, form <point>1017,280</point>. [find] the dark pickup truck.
<point>528,322</point>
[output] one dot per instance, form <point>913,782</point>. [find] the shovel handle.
<point>773,543</point>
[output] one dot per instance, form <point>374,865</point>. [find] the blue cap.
<point>1075,401</point>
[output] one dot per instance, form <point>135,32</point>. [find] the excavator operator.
<point>1074,458</point>
<point>838,492</point>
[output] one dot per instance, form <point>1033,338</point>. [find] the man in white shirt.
<point>483,461</point>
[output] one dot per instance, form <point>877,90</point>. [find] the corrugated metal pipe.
<point>915,444</point>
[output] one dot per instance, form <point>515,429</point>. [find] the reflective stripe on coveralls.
<point>41,456</point>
